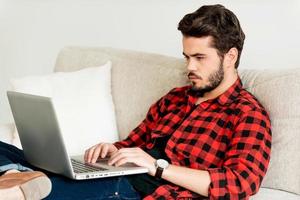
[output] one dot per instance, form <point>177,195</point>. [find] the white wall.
<point>33,31</point>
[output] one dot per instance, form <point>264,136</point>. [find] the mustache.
<point>193,74</point>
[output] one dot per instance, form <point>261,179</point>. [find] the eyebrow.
<point>194,55</point>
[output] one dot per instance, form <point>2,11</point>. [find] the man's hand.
<point>100,150</point>
<point>133,155</point>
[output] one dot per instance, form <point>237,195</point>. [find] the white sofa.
<point>139,79</point>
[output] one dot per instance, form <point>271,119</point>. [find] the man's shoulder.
<point>246,101</point>
<point>179,90</point>
<point>176,94</point>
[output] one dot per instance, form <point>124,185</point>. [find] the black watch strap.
<point>158,172</point>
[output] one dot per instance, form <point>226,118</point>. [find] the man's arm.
<point>246,160</point>
<point>192,179</point>
<point>195,180</point>
<point>244,166</point>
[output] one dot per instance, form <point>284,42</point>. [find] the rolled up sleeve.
<point>246,160</point>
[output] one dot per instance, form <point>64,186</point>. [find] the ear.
<point>230,57</point>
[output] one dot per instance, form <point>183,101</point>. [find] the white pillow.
<point>83,104</point>
<point>6,131</point>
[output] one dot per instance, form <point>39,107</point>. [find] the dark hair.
<point>218,22</point>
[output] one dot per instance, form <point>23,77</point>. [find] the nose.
<point>191,66</point>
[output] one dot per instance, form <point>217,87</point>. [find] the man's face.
<point>205,67</point>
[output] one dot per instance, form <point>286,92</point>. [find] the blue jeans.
<point>63,188</point>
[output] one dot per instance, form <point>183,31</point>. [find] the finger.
<point>125,151</point>
<point>120,156</point>
<point>96,153</point>
<point>104,150</point>
<point>115,155</point>
<point>121,151</point>
<point>123,161</point>
<point>84,156</point>
<point>90,153</point>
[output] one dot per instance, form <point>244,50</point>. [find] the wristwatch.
<point>160,165</point>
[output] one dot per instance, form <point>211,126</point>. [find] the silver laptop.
<point>43,143</point>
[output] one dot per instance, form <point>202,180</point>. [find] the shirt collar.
<point>225,98</point>
<point>231,93</point>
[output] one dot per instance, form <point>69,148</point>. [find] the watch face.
<point>162,163</point>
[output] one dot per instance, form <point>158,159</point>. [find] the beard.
<point>214,80</point>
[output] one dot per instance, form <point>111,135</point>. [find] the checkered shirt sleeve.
<point>246,159</point>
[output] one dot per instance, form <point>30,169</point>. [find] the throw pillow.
<point>83,104</point>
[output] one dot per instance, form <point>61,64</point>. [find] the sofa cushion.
<point>278,91</point>
<point>83,104</point>
<point>271,194</point>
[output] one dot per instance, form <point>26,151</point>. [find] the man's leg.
<point>12,158</point>
<point>92,189</point>
<point>20,185</point>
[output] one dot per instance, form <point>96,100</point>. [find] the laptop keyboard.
<point>80,167</point>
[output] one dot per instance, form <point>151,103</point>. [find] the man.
<point>211,139</point>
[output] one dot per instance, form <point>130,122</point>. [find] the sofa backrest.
<point>139,79</point>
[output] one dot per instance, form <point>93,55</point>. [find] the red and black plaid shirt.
<point>229,136</point>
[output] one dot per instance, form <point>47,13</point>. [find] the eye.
<point>199,58</point>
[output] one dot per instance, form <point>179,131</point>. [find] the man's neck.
<point>224,85</point>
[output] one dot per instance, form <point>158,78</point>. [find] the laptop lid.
<point>39,132</point>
